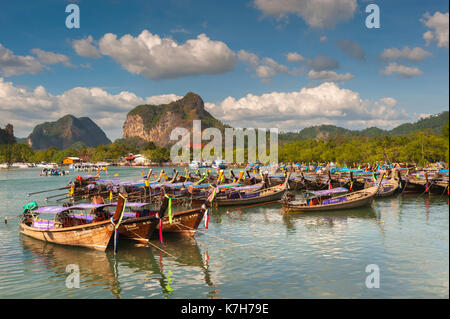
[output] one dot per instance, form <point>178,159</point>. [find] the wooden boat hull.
<point>184,223</point>
<point>440,187</point>
<point>416,185</point>
<point>365,200</point>
<point>411,187</point>
<point>94,236</point>
<point>388,189</point>
<point>264,195</point>
<point>138,229</point>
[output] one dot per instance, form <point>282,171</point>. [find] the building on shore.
<point>71,160</point>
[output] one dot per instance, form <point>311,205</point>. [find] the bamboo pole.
<point>48,190</point>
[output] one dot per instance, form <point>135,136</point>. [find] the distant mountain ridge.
<point>7,135</point>
<point>65,132</point>
<point>154,123</point>
<point>434,123</point>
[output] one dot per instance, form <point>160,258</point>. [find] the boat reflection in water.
<point>327,218</point>
<point>104,269</point>
<point>95,267</point>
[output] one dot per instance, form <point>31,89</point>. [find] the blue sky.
<point>343,73</point>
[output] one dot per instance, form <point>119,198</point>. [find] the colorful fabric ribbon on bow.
<point>213,194</point>
<point>169,208</point>
<point>206,218</point>
<point>204,176</point>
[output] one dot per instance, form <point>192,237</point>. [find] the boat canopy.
<point>130,204</point>
<point>131,183</point>
<point>60,209</point>
<point>177,185</point>
<point>327,192</point>
<point>228,185</point>
<point>109,180</point>
<point>249,187</point>
<point>50,209</point>
<point>171,185</point>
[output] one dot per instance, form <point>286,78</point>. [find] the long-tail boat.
<point>425,182</point>
<point>356,199</point>
<point>351,200</point>
<point>244,196</point>
<point>69,229</point>
<point>183,223</point>
<point>143,224</point>
<point>388,188</point>
<point>138,224</point>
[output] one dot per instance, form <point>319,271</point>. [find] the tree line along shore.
<point>419,147</point>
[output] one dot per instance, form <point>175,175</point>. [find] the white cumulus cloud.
<point>47,57</point>
<point>86,47</point>
<point>401,70</point>
<point>162,99</point>
<point>316,13</point>
<point>294,57</point>
<point>25,108</point>
<point>438,23</point>
<point>162,58</point>
<point>415,54</point>
<point>325,103</point>
<point>267,68</point>
<point>11,64</point>
<point>329,76</point>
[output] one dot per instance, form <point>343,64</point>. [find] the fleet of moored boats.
<point>98,210</point>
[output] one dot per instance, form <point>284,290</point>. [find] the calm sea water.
<point>246,253</point>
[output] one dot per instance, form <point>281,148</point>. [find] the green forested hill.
<point>7,135</point>
<point>65,132</point>
<point>434,124</point>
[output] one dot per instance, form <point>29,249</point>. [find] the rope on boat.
<point>225,240</point>
<point>161,249</point>
<point>404,187</point>
<point>446,187</point>
<point>150,243</point>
